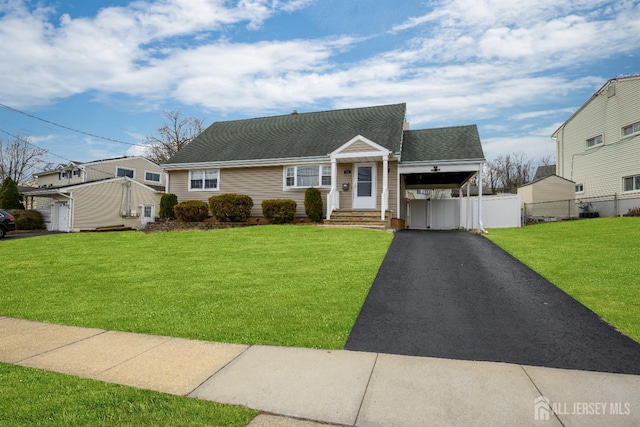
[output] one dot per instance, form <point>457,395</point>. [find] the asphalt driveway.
<point>456,295</point>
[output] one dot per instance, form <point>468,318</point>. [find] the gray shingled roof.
<point>294,135</point>
<point>544,171</point>
<point>450,143</point>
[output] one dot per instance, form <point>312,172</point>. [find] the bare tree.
<point>508,172</point>
<point>172,136</point>
<point>490,177</point>
<point>19,159</point>
<point>547,160</point>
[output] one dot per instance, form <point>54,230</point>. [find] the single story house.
<point>81,196</point>
<point>362,159</point>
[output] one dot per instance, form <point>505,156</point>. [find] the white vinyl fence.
<point>455,213</point>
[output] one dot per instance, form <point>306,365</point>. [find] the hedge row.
<point>233,207</point>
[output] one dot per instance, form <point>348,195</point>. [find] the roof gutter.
<point>245,163</point>
<point>431,162</point>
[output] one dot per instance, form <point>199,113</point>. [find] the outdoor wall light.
<point>345,186</point>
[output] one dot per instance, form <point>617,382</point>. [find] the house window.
<point>595,141</point>
<point>76,172</point>
<point>152,177</point>
<point>631,183</point>
<point>306,176</point>
<point>631,129</point>
<point>579,188</point>
<point>65,174</point>
<point>203,179</point>
<point>124,172</point>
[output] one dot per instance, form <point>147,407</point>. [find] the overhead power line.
<point>68,128</point>
<point>17,137</point>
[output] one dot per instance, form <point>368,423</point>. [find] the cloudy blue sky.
<point>517,69</point>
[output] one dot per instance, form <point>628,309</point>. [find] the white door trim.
<point>144,219</point>
<point>364,202</point>
<point>62,216</point>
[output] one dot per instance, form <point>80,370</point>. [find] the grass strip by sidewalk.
<point>281,285</point>
<point>594,260</point>
<point>33,397</point>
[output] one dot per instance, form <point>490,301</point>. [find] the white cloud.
<point>461,61</point>
<point>534,146</point>
<point>565,112</point>
<point>137,150</point>
<point>49,62</point>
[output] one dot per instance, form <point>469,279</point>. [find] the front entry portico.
<point>365,157</point>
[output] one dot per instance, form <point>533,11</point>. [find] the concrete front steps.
<point>358,219</point>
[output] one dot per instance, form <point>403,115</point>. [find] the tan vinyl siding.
<point>602,168</point>
<point>260,183</point>
<point>526,194</point>
<point>548,189</point>
<point>55,180</point>
<point>107,169</point>
<point>358,147</point>
<point>346,197</point>
<point>101,204</point>
<point>95,171</point>
<point>392,186</point>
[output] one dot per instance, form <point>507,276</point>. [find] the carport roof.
<point>442,144</point>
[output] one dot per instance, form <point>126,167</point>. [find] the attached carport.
<point>441,159</point>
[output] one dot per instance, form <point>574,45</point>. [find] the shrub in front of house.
<point>231,207</point>
<point>28,219</point>
<point>167,203</point>
<point>279,211</point>
<point>191,211</point>
<point>313,204</point>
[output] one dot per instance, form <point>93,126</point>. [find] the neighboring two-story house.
<point>598,147</point>
<point>77,196</point>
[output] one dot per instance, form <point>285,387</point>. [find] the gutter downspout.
<point>480,224</point>
<point>72,211</point>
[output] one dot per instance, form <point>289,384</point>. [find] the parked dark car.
<point>7,223</point>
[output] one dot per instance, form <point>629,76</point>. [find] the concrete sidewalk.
<point>329,386</point>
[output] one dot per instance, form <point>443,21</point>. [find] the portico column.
<point>385,186</point>
<point>334,184</point>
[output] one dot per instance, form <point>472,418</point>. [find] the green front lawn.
<point>34,397</point>
<point>596,261</point>
<point>281,285</point>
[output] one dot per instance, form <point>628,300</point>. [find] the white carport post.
<point>469,222</point>
<point>480,224</point>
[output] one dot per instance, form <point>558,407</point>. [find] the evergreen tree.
<point>9,195</point>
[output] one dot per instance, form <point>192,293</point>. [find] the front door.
<point>148,214</point>
<point>364,186</point>
<point>63,216</point>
